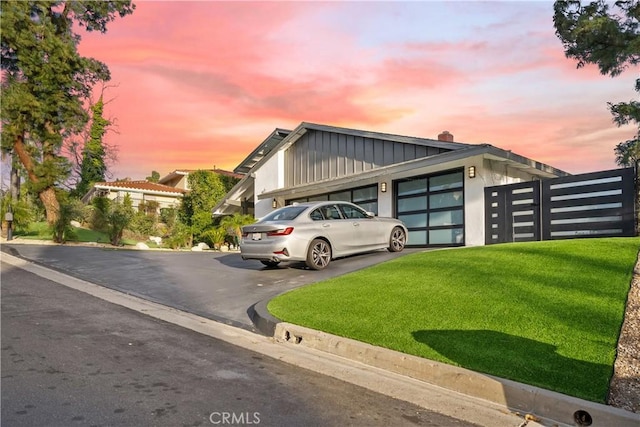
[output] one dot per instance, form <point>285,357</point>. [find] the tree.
<point>206,190</point>
<point>627,153</point>
<point>45,82</point>
<point>93,166</point>
<point>608,35</point>
<point>155,176</point>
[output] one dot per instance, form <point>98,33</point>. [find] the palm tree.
<point>234,223</point>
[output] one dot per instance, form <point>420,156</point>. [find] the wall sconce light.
<point>274,203</point>
<point>383,187</point>
<point>472,171</point>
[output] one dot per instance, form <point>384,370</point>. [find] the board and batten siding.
<point>320,155</point>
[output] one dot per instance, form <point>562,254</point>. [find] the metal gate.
<point>599,204</point>
<point>512,213</point>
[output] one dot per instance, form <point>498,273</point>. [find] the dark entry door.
<point>512,213</point>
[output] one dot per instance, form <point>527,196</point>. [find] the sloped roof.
<point>282,139</point>
<point>142,185</point>
<point>262,150</point>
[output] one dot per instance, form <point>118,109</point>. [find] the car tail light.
<point>281,232</point>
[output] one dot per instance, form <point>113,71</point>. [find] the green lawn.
<point>542,313</point>
<point>41,231</point>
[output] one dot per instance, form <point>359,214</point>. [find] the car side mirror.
<point>371,214</point>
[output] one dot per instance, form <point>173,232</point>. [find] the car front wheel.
<point>319,255</point>
<point>398,240</point>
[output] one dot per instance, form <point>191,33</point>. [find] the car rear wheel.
<point>319,254</point>
<point>271,263</point>
<point>398,240</point>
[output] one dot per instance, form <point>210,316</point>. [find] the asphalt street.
<point>216,285</point>
<point>69,358</point>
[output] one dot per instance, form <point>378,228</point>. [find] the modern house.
<point>435,186</point>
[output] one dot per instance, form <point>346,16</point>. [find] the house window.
<point>432,208</point>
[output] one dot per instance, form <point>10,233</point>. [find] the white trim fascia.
<point>139,190</point>
<point>371,176</point>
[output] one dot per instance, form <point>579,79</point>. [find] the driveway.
<point>216,285</point>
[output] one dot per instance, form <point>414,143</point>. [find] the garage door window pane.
<point>442,218</point>
<point>446,237</point>
<point>443,182</point>
<point>412,204</point>
<point>417,237</point>
<point>415,220</point>
<point>344,196</point>
<point>368,193</point>
<point>445,200</point>
<point>412,187</point>
<point>370,207</point>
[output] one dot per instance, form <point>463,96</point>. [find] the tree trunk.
<point>51,204</point>
<point>15,179</point>
<point>48,195</point>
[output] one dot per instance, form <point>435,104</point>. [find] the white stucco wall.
<point>269,176</point>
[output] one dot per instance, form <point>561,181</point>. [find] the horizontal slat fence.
<point>599,204</point>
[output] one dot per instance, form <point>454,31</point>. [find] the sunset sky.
<point>201,84</point>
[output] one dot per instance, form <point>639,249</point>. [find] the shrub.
<point>70,210</point>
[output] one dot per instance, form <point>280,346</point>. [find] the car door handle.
<point>326,225</point>
<point>356,224</point>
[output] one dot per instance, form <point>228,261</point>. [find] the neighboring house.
<point>178,178</point>
<point>139,191</point>
<point>435,186</point>
<point>168,192</point>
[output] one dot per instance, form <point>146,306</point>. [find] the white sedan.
<point>317,232</point>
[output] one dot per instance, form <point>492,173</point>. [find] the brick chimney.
<point>445,136</point>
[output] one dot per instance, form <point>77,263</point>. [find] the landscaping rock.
<point>141,245</point>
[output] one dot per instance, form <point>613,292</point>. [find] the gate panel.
<point>512,213</point>
<point>589,205</point>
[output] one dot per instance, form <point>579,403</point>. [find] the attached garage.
<point>435,186</point>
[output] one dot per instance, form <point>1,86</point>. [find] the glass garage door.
<point>432,208</point>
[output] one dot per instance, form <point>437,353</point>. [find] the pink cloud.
<point>202,83</point>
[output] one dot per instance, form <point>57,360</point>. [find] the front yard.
<point>543,313</point>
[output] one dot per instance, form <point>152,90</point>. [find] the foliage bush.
<point>215,237</point>
<point>144,224</point>
<point>70,210</point>
<point>22,210</point>
<point>180,236</point>
<point>99,211</point>
<point>119,217</point>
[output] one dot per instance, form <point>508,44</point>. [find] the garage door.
<point>432,207</point>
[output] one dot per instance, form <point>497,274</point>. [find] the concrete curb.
<point>550,407</point>
<point>263,321</point>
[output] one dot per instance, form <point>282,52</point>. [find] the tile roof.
<point>140,185</point>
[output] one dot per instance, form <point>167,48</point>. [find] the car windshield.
<point>284,214</point>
